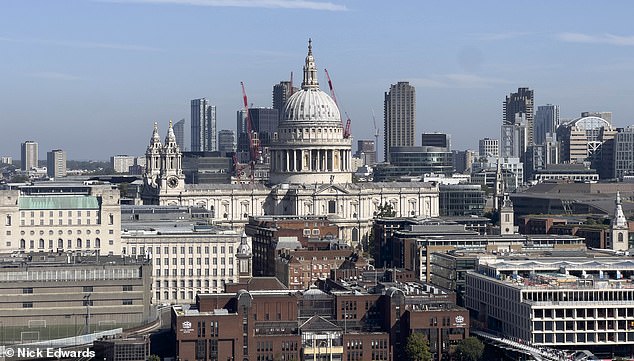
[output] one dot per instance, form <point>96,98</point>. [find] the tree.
<point>417,348</point>
<point>469,349</point>
<point>154,358</point>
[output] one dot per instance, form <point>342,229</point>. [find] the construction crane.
<point>254,149</point>
<point>346,128</point>
<point>376,132</point>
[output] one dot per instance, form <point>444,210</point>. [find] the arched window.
<point>620,237</point>
<point>8,220</point>
<point>97,243</point>
<point>60,243</point>
<point>22,244</point>
<point>41,243</point>
<point>78,242</point>
<point>110,219</point>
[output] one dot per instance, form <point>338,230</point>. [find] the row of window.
<point>190,272</point>
<point>124,302</point>
<point>175,250</point>
<point>190,261</point>
<point>79,243</point>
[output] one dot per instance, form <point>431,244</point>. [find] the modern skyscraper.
<point>203,126</point>
<point>281,92</point>
<point>227,141</point>
<point>546,122</point>
<point>366,150</point>
<point>29,155</point>
<point>264,122</point>
<point>179,133</point>
<point>522,103</point>
<point>56,163</point>
<point>399,117</point>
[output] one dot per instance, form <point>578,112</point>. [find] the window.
<point>27,290</point>
<point>126,302</point>
<point>27,304</point>
<point>87,289</point>
<point>332,206</point>
<point>127,288</point>
<point>88,303</point>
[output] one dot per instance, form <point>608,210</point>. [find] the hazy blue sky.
<point>91,77</point>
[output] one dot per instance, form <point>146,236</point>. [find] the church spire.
<point>619,217</point>
<point>156,139</point>
<point>310,70</point>
<point>170,134</point>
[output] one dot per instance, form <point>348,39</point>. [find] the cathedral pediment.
<point>331,189</point>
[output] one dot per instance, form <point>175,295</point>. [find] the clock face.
<point>172,182</point>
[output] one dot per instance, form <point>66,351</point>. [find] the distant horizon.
<point>91,77</point>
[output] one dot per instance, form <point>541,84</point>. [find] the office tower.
<point>366,150</point>
<point>226,141</point>
<point>281,92</point>
<point>203,126</point>
<point>581,139</point>
<point>519,103</point>
<point>56,163</point>
<point>6,160</point>
<point>463,160</point>
<point>399,117</point>
<point>489,148</point>
<point>546,122</point>
<point>623,149</point>
<point>264,122</point>
<point>121,163</point>
<point>436,140</point>
<point>515,138</point>
<point>29,155</point>
<point>179,133</point>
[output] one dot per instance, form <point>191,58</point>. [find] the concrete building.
<point>226,141</point>
<point>51,295</point>
<point>29,155</point>
<point>547,121</point>
<point>519,105</point>
<point>122,348</point>
<point>179,133</point>
<point>566,172</point>
<point>121,163</point>
<point>399,117</point>
<point>489,148</point>
<point>562,302</point>
<point>461,200</point>
<point>60,216</point>
<point>514,138</point>
<point>623,151</point>
<point>56,163</point>
<point>203,126</point>
<point>186,259</point>
<point>6,160</point>
<point>581,139</point>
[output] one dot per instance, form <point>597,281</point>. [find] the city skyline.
<point>76,83</point>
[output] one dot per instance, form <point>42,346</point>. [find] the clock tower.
<point>172,180</point>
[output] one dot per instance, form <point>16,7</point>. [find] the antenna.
<point>376,136</point>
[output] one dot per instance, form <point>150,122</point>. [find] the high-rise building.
<point>203,126</point>
<point>366,150</point>
<point>442,140</point>
<point>264,122</point>
<point>489,148</point>
<point>399,117</point>
<point>515,138</point>
<point>121,163</point>
<point>520,102</point>
<point>56,163</point>
<point>6,160</point>
<point>226,141</point>
<point>581,139</point>
<point>179,133</point>
<point>281,93</point>
<point>546,122</point>
<point>29,155</point>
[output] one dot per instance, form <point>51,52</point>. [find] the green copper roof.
<point>58,202</point>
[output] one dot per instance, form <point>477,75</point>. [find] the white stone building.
<point>311,174</point>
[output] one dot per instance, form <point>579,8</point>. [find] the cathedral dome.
<point>310,104</point>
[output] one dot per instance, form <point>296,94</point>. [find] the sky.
<point>92,76</point>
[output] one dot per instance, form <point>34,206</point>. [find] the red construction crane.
<point>254,150</point>
<point>346,128</point>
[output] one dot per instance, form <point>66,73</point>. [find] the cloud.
<point>270,4</point>
<point>609,39</point>
<point>80,44</point>
<point>54,76</point>
<point>464,81</point>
